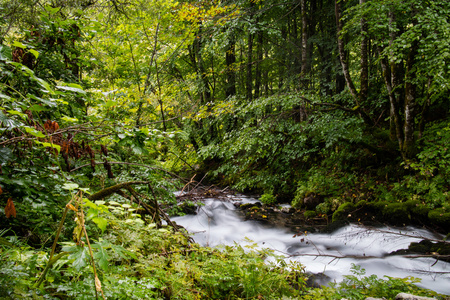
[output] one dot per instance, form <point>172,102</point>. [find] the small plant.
<point>358,286</point>
<point>310,214</point>
<point>268,199</point>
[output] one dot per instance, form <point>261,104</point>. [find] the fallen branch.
<point>126,163</point>
<point>113,189</point>
<point>436,256</point>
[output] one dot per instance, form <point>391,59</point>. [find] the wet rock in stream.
<point>286,217</point>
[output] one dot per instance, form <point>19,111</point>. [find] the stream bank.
<point>322,250</point>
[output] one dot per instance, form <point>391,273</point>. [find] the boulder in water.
<point>405,296</point>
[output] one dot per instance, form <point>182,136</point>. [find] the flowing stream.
<point>218,222</point>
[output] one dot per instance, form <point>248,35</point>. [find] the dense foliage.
<point>341,102</point>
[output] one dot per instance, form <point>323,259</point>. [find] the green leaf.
<point>19,45</point>
<point>34,52</point>
<point>80,256</point>
<point>52,10</point>
<point>44,84</point>
<point>38,108</point>
<point>70,186</point>
<point>71,89</point>
<point>17,113</point>
<point>5,53</point>
<point>43,101</point>
<point>101,223</point>
<point>34,132</point>
<point>122,252</point>
<point>101,256</point>
<point>3,96</point>
<point>51,145</point>
<point>5,155</point>
<point>92,213</point>
<point>69,119</point>
<point>9,123</point>
<point>110,103</point>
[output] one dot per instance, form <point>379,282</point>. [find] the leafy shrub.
<point>268,199</point>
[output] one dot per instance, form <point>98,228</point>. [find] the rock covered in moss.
<point>343,211</point>
<point>440,217</point>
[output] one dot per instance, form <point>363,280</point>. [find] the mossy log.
<point>106,192</point>
<point>152,209</point>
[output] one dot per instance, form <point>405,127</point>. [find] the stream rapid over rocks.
<point>219,221</point>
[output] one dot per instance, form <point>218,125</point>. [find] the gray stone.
<point>405,296</point>
<point>372,298</point>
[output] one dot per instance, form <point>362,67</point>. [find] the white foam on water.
<point>217,223</point>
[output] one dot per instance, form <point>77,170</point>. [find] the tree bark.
<point>304,65</point>
<point>249,81</point>
<point>345,66</point>
<point>408,149</point>
<point>364,79</point>
<point>342,54</point>
<point>259,57</point>
<point>230,60</point>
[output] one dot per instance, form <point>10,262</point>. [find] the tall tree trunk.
<point>197,49</point>
<point>394,110</point>
<point>397,79</point>
<point>342,53</point>
<point>364,79</point>
<point>259,57</point>
<point>399,83</point>
<point>266,75</point>
<point>304,65</point>
<point>249,81</point>
<point>230,60</point>
<point>345,66</point>
<point>408,149</point>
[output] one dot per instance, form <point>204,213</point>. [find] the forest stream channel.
<point>329,256</point>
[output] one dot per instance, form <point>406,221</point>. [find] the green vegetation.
<point>339,107</point>
<point>358,287</point>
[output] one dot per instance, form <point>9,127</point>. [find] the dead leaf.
<point>71,207</point>
<point>98,284</point>
<point>10,210</point>
<point>78,230</point>
<point>1,191</point>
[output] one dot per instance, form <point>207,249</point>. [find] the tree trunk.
<point>259,57</point>
<point>197,47</point>
<point>342,53</point>
<point>249,81</point>
<point>304,65</point>
<point>230,60</point>
<point>408,149</point>
<point>345,66</point>
<point>364,79</point>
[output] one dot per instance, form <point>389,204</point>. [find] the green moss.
<point>421,247</point>
<point>342,212</point>
<point>309,214</point>
<point>361,203</point>
<point>440,217</point>
<point>380,205</point>
<point>420,212</point>
<point>410,204</point>
<point>396,213</point>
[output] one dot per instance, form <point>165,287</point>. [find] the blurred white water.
<point>217,222</point>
